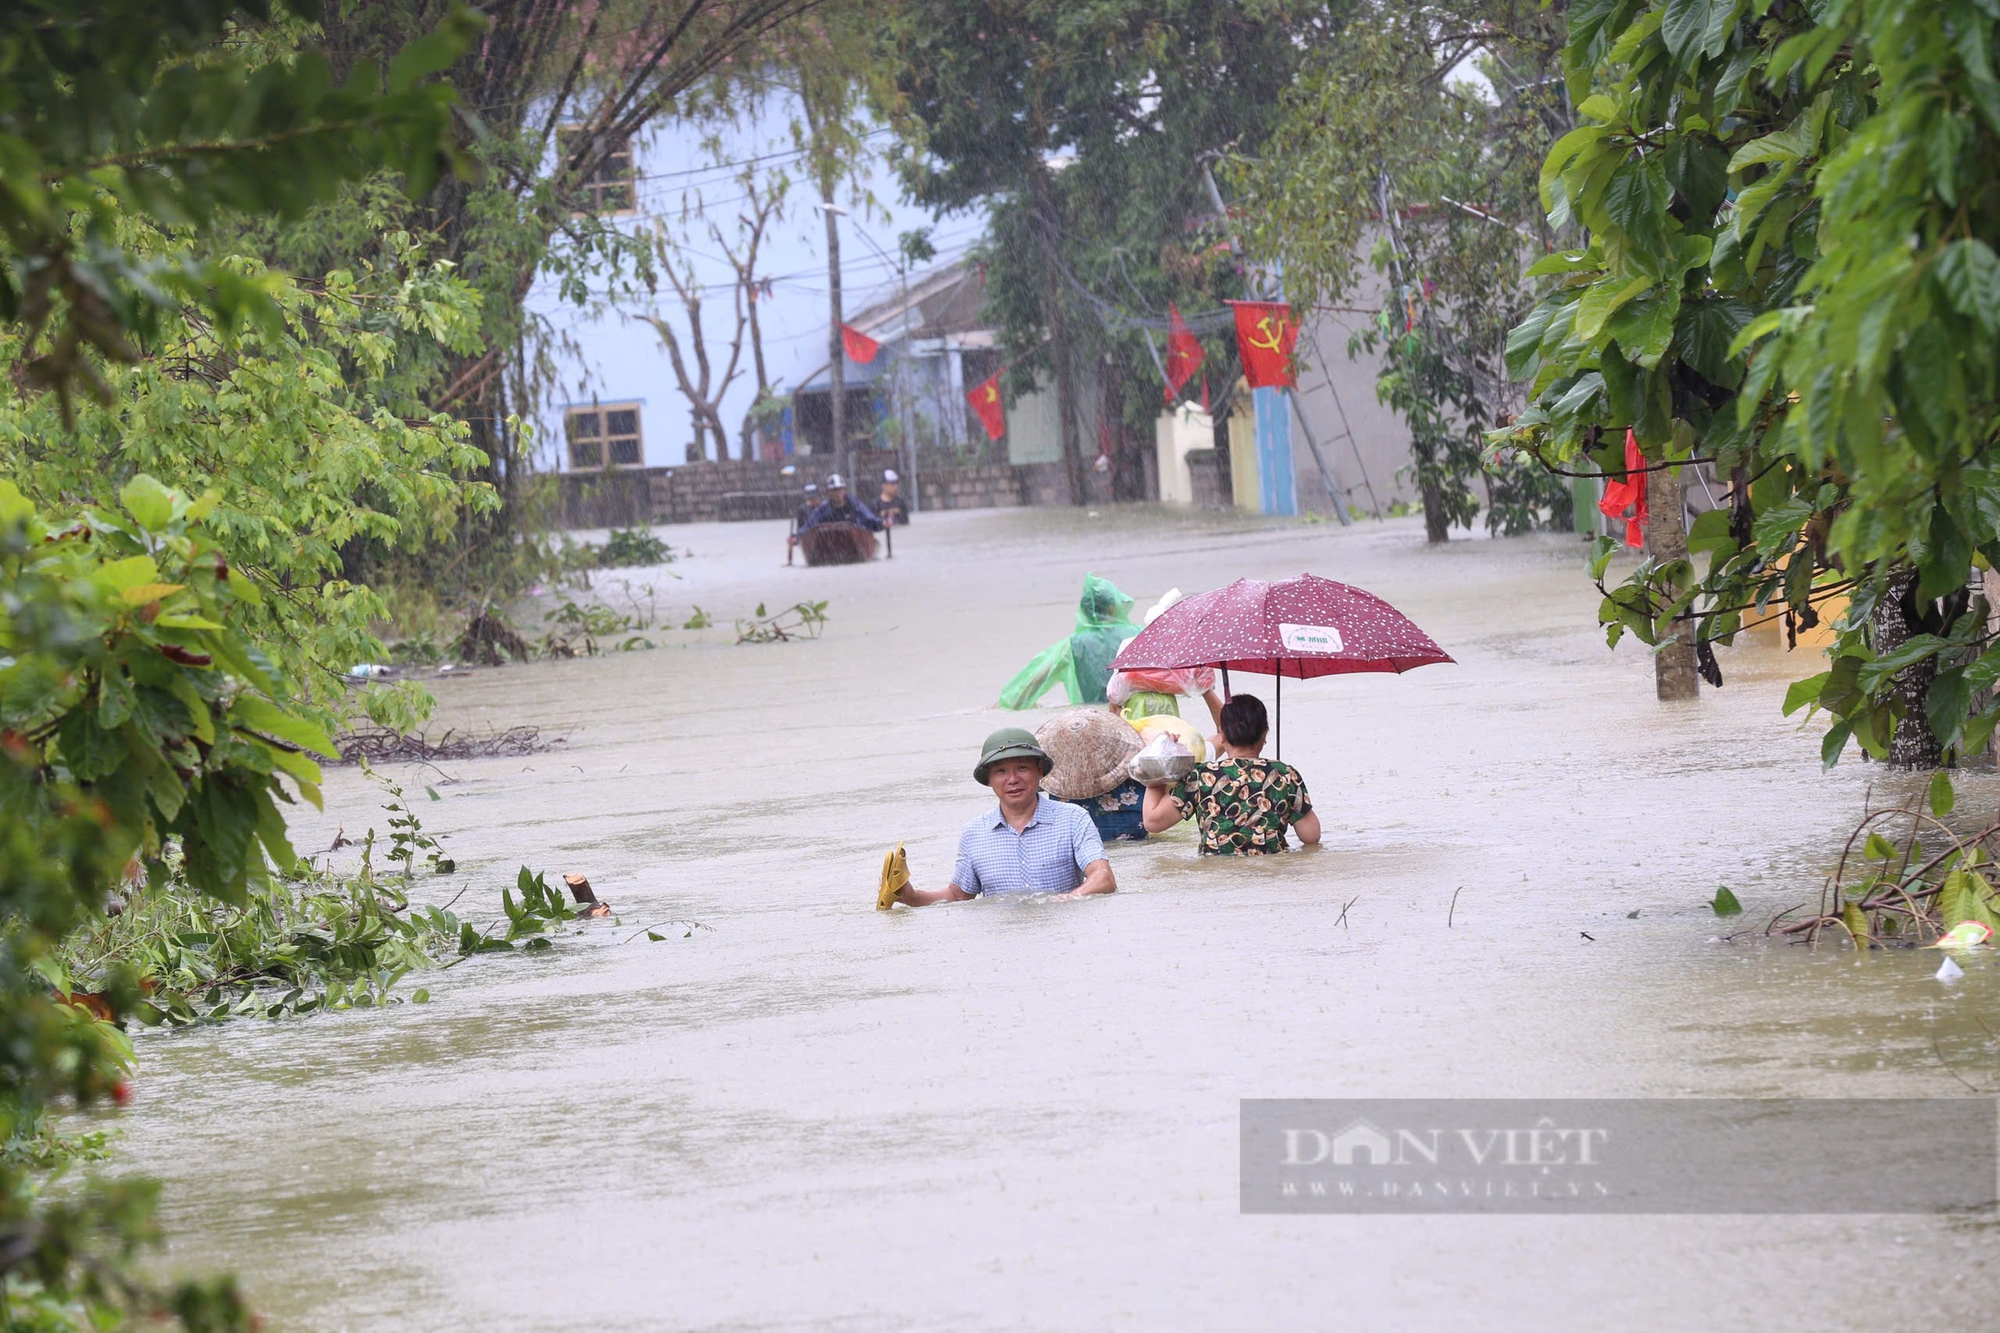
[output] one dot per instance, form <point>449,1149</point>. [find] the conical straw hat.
<point>1090,747</point>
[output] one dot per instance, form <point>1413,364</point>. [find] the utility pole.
<point>906,410</point>
<point>836,351</point>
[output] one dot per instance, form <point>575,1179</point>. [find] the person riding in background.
<point>1241,802</point>
<point>893,508</point>
<point>839,508</point>
<point>1029,843</point>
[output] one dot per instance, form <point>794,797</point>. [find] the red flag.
<point>859,345</point>
<point>985,400</point>
<point>1265,336</point>
<point>1629,493</point>
<point>1183,352</point>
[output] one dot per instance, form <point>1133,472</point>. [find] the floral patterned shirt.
<point>1242,807</point>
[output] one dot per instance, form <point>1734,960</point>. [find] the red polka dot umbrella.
<point>1302,628</point>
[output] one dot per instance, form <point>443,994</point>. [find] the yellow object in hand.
<point>1179,728</point>
<point>895,875</point>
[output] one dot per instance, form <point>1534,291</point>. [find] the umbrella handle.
<point>1225,683</point>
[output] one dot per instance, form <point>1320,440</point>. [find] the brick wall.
<point>734,490</point>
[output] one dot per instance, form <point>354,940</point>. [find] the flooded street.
<point>999,1115</point>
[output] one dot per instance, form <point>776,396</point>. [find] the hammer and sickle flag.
<point>985,400</point>
<point>1265,336</point>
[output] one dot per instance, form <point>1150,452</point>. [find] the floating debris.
<point>380,745</point>
<point>586,897</point>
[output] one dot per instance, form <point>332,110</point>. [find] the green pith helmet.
<point>1010,743</point>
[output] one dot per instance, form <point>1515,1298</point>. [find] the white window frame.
<point>601,412</point>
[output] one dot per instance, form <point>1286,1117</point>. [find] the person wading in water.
<point>1029,843</point>
<point>1241,802</point>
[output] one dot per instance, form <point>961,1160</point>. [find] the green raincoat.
<point>1081,664</point>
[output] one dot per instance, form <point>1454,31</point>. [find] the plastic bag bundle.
<point>1162,759</point>
<point>1179,728</point>
<point>1158,680</point>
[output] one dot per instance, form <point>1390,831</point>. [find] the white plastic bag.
<point>1163,759</point>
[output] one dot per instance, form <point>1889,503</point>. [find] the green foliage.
<point>283,421</point>
<point>1379,153</point>
<point>802,620</point>
<point>132,686</point>
<point>117,108</point>
<point>136,717</point>
<point>1128,98</point>
<point>1725,903</point>
<point>1791,212</point>
<point>633,546</point>
<point>575,629</point>
<point>148,720</point>
<point>1966,895</point>
<point>308,943</point>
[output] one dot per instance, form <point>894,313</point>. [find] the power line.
<point>724,168</point>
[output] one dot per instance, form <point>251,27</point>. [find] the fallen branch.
<point>385,745</point>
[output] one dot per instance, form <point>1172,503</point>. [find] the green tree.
<point>282,417</point>
<point>555,98</point>
<point>141,721</point>
<point>1384,151</point>
<point>1792,214</point>
<point>1084,129</point>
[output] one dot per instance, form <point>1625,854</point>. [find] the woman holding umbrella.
<point>1305,627</point>
<point>1241,802</point>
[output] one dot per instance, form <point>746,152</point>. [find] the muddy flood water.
<point>1024,1114</point>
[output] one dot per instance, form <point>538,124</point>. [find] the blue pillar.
<point>1274,450</point>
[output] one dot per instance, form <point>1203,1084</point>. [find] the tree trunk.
<point>1059,348</point>
<point>1437,528</point>
<point>1891,626</point>
<point>1072,452</point>
<point>1674,669</point>
<point>836,353</point>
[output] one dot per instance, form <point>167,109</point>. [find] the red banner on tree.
<point>985,400</point>
<point>1183,352</point>
<point>860,347</point>
<point>1629,493</point>
<point>1265,336</point>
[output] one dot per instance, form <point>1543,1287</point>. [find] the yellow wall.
<point>1243,473</point>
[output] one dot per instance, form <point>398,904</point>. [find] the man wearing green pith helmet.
<point>1028,843</point>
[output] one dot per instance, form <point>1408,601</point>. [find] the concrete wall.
<point>1365,444</point>
<point>711,492</point>
<point>1174,435</point>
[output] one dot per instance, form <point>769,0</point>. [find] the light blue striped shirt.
<point>1048,856</point>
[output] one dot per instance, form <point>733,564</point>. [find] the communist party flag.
<point>1265,336</point>
<point>1628,493</point>
<point>985,400</point>
<point>859,345</point>
<point>1183,352</point>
